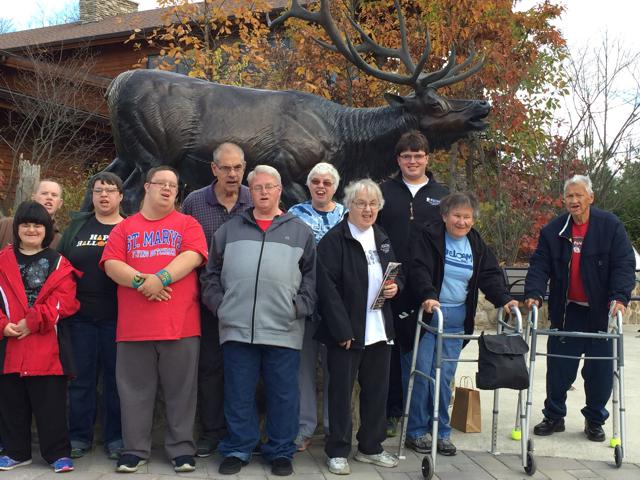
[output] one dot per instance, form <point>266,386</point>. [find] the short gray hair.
<point>355,187</point>
<point>581,180</point>
<point>267,169</point>
<point>324,168</point>
<point>227,147</point>
<point>460,200</point>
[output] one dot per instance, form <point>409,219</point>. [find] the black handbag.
<point>501,362</point>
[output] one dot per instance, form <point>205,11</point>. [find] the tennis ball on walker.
<point>516,434</point>
<point>613,442</point>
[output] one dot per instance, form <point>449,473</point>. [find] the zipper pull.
<point>411,211</point>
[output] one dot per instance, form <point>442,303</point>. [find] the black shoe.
<point>231,465</point>
<point>420,444</point>
<point>184,463</point>
<point>281,467</point>
<point>204,448</point>
<point>445,447</point>
<point>594,431</point>
<point>129,463</point>
<point>548,426</point>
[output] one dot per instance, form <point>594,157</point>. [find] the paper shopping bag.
<point>465,415</point>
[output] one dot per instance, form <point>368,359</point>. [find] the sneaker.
<point>129,463</point>
<point>231,465</point>
<point>8,463</point>
<point>302,443</point>
<point>338,466</point>
<point>64,464</point>
<point>78,452</point>
<point>420,444</point>
<point>392,426</point>
<point>445,447</point>
<point>548,426</point>
<point>281,467</point>
<point>594,431</point>
<point>184,463</point>
<point>382,459</point>
<point>204,448</point>
<point>112,453</point>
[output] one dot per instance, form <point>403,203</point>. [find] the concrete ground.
<point>562,456</point>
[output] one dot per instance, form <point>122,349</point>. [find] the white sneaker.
<point>338,466</point>
<point>382,459</point>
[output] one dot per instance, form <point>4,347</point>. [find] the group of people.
<point>233,295</point>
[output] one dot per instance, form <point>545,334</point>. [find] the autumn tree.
<point>213,39</point>
<point>509,165</point>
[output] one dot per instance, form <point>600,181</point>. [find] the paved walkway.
<point>310,465</point>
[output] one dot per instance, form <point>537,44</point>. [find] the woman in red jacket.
<point>37,290</point>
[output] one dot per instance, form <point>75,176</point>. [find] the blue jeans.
<point>420,412</point>
<point>94,350</point>
<point>562,372</point>
<point>243,364</point>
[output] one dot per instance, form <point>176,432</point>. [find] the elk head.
<point>443,120</point>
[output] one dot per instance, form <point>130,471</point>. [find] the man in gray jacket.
<point>260,281</point>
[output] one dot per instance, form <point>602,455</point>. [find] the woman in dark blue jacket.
<point>450,262</point>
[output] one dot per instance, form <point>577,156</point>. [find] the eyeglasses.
<point>169,185</point>
<point>412,156</point>
<point>361,205</point>
<point>324,183</point>
<point>264,188</point>
<point>100,191</point>
<point>227,170</point>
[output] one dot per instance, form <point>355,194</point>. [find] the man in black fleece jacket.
<point>412,197</point>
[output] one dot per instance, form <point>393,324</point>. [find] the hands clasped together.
<point>19,329</point>
<point>152,288</point>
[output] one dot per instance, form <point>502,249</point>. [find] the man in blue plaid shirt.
<point>212,206</point>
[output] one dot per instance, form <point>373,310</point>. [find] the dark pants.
<point>371,367</point>
<point>94,351</point>
<point>45,397</point>
<point>210,380</point>
<point>561,372</point>
<point>395,397</point>
<point>244,363</point>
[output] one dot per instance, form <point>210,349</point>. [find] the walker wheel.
<point>427,467</point>
<point>530,445</point>
<point>617,454</point>
<point>531,464</point>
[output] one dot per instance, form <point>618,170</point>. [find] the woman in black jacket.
<point>450,262</point>
<point>352,259</point>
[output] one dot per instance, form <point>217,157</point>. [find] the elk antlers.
<point>450,73</point>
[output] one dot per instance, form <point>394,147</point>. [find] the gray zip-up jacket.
<point>261,285</point>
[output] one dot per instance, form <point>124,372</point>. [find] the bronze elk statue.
<point>163,118</point>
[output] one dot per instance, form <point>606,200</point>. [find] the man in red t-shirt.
<point>587,259</point>
<point>152,256</point>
